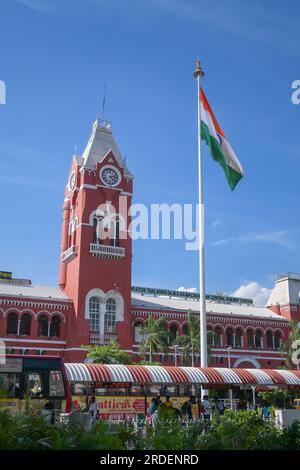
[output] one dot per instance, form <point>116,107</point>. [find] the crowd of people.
<point>191,409</point>
<point>205,409</point>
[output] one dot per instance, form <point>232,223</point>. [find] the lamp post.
<point>176,352</point>
<point>228,351</point>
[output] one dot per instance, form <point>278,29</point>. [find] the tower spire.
<point>104,101</point>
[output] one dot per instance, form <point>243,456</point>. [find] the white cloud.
<point>233,17</point>
<point>217,223</point>
<point>280,237</point>
<point>252,23</point>
<point>41,6</point>
<point>187,289</point>
<point>254,290</point>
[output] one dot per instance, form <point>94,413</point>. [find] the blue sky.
<point>55,57</point>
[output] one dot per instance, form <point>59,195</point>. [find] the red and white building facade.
<point>94,301</point>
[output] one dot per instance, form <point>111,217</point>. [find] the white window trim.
<point>103,297</point>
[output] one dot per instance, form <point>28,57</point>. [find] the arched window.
<point>25,325</point>
<point>250,338</point>
<point>218,336</point>
<point>43,325</point>
<point>238,338</point>
<point>269,339</point>
<point>98,229</point>
<point>229,336</point>
<point>95,221</point>
<point>138,337</point>
<point>185,330</point>
<point>115,232</point>
<point>55,327</point>
<point>75,230</point>
<point>173,331</point>
<point>209,336</point>
<point>12,324</point>
<point>94,310</point>
<point>258,339</point>
<point>110,316</point>
<point>277,338</point>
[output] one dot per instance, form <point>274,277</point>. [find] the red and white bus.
<point>41,379</point>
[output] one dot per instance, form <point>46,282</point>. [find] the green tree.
<point>190,341</point>
<point>107,354</point>
<point>276,398</point>
<point>287,346</point>
<point>155,337</point>
<point>243,430</point>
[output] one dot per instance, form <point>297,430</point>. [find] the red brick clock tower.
<point>96,252</point>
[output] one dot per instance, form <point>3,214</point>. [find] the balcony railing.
<point>106,251</point>
<point>69,254</point>
<point>97,338</point>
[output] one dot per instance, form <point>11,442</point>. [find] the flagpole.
<point>198,74</point>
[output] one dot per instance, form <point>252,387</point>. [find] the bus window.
<point>120,391</point>
<point>137,390</point>
<point>56,384</point>
<point>80,389</point>
<point>9,385</point>
<point>168,390</point>
<point>35,384</point>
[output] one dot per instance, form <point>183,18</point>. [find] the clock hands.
<point>109,176</point>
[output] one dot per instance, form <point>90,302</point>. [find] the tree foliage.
<point>288,345</point>
<point>240,430</point>
<point>108,354</point>
<point>190,341</point>
<point>155,336</point>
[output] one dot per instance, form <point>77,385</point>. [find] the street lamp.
<point>176,352</point>
<point>228,351</point>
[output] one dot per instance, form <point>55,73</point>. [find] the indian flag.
<point>220,148</point>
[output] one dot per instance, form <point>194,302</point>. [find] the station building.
<point>95,302</point>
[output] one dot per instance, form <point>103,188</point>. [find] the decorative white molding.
<point>92,293</point>
<point>21,303</point>
<point>107,251</point>
<point>103,297</point>
<point>250,359</point>
<point>70,254</point>
<point>23,340</point>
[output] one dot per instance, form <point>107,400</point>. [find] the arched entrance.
<point>246,363</point>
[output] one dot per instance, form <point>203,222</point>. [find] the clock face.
<point>110,176</point>
<point>72,181</point>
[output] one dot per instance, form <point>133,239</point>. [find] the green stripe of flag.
<point>233,177</point>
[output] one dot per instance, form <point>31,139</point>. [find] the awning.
<point>169,375</point>
<point>78,372</point>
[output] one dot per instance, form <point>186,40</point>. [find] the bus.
<point>38,380</point>
<point>126,391</point>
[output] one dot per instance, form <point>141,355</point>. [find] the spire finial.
<point>104,100</point>
<point>198,70</point>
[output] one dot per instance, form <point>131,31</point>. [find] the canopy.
<point>166,375</point>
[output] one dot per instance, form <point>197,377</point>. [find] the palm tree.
<point>190,341</point>
<point>289,347</point>
<point>155,336</point>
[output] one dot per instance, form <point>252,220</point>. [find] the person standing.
<point>220,408</point>
<point>168,404</point>
<point>186,409</point>
<point>266,412</point>
<point>206,407</point>
<point>93,408</point>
